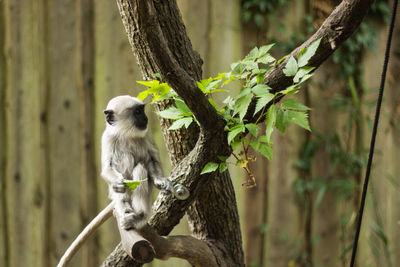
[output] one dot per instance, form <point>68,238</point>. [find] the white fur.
<point>129,153</point>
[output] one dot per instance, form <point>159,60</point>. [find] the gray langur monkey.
<point>129,153</point>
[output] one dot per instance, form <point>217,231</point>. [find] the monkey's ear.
<point>109,116</point>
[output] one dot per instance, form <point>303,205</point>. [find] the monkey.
<point>128,152</point>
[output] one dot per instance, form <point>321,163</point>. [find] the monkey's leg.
<point>130,217</point>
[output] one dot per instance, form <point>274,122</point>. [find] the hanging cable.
<point>374,132</point>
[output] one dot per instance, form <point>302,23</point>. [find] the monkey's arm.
<point>155,171</point>
<point>113,178</point>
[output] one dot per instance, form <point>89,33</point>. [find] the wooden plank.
<point>86,87</point>
<point>393,227</point>
<point>24,192</point>
<point>4,231</point>
<point>326,220</point>
<point>44,54</point>
<point>63,128</point>
<point>383,193</point>
<point>224,28</point>
<point>282,213</point>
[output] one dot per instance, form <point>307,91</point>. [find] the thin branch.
<point>85,234</point>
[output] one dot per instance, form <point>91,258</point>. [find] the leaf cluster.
<point>250,71</point>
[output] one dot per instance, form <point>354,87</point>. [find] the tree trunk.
<point>213,215</point>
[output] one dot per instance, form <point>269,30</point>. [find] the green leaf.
<point>270,122</point>
<point>209,167</point>
<point>264,49</point>
<point>185,110</point>
<point>304,57</point>
<point>213,104</point>
<point>300,118</point>
<point>238,67</point>
<point>234,145</point>
<point>301,73</point>
<point>251,66</point>
<point>260,78</point>
<point>223,166</point>
<point>262,101</point>
<point>291,90</point>
<point>266,59</point>
<point>142,95</point>
<point>243,92</point>
<point>263,139</point>
<point>253,129</point>
<point>180,123</point>
<point>201,85</point>
<point>162,97</point>
<point>234,131</point>
<point>253,53</point>
<point>291,103</point>
<point>265,149</point>
<point>170,113</point>
<point>306,77</point>
<point>222,158</point>
<point>211,85</point>
<point>149,83</point>
<point>132,184</point>
<point>241,105</point>
<point>280,60</point>
<point>260,89</point>
<point>159,91</point>
<point>281,120</point>
<point>291,67</point>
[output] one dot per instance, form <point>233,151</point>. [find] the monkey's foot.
<point>133,220</point>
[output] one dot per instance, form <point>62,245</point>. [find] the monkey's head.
<point>125,116</point>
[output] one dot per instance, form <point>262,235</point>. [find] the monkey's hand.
<point>164,185</point>
<point>119,187</point>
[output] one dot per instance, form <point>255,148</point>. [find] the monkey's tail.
<point>103,216</point>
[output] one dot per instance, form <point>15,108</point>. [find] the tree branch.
<point>195,251</point>
<point>148,26</point>
<point>337,28</point>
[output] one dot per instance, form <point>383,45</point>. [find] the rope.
<point>374,132</point>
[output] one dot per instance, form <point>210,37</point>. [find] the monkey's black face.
<point>139,117</point>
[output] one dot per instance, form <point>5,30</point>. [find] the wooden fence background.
<point>62,60</point>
